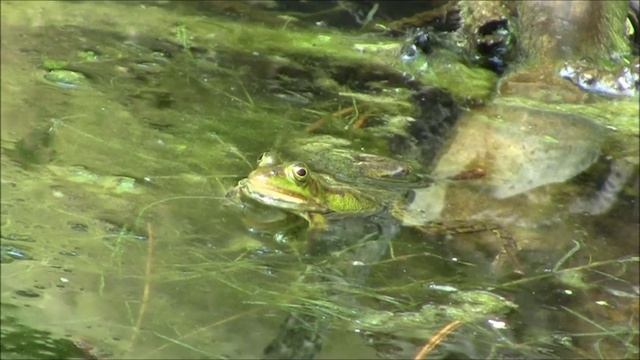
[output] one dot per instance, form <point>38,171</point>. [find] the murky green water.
<point>125,124</point>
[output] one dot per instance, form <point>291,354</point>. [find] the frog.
<point>331,175</point>
<point>294,187</point>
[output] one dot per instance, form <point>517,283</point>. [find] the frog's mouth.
<point>273,196</point>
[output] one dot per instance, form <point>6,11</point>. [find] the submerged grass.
<point>310,297</point>
<point>347,304</point>
<point>595,264</point>
<point>284,280</point>
<point>180,341</point>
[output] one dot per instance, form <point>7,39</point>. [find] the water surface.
<point>125,124</point>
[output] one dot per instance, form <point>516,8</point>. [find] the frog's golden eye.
<point>299,172</point>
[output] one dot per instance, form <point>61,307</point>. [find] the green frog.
<point>294,187</point>
<point>350,184</point>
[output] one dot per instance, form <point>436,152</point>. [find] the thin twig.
<point>437,339</point>
<point>147,286</point>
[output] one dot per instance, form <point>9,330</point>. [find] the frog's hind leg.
<point>508,253</point>
<point>506,258</point>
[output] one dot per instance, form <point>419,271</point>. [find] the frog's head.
<point>290,186</point>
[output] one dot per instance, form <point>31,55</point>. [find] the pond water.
<point>125,125</point>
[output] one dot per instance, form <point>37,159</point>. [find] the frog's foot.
<point>317,222</point>
<point>507,258</point>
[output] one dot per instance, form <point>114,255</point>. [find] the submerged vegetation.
<point>509,196</point>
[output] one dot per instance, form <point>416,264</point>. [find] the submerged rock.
<point>540,128</point>
<point>521,149</point>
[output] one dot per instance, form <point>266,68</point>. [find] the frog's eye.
<point>299,172</point>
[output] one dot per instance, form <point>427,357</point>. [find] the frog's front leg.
<point>317,222</point>
<point>318,225</point>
